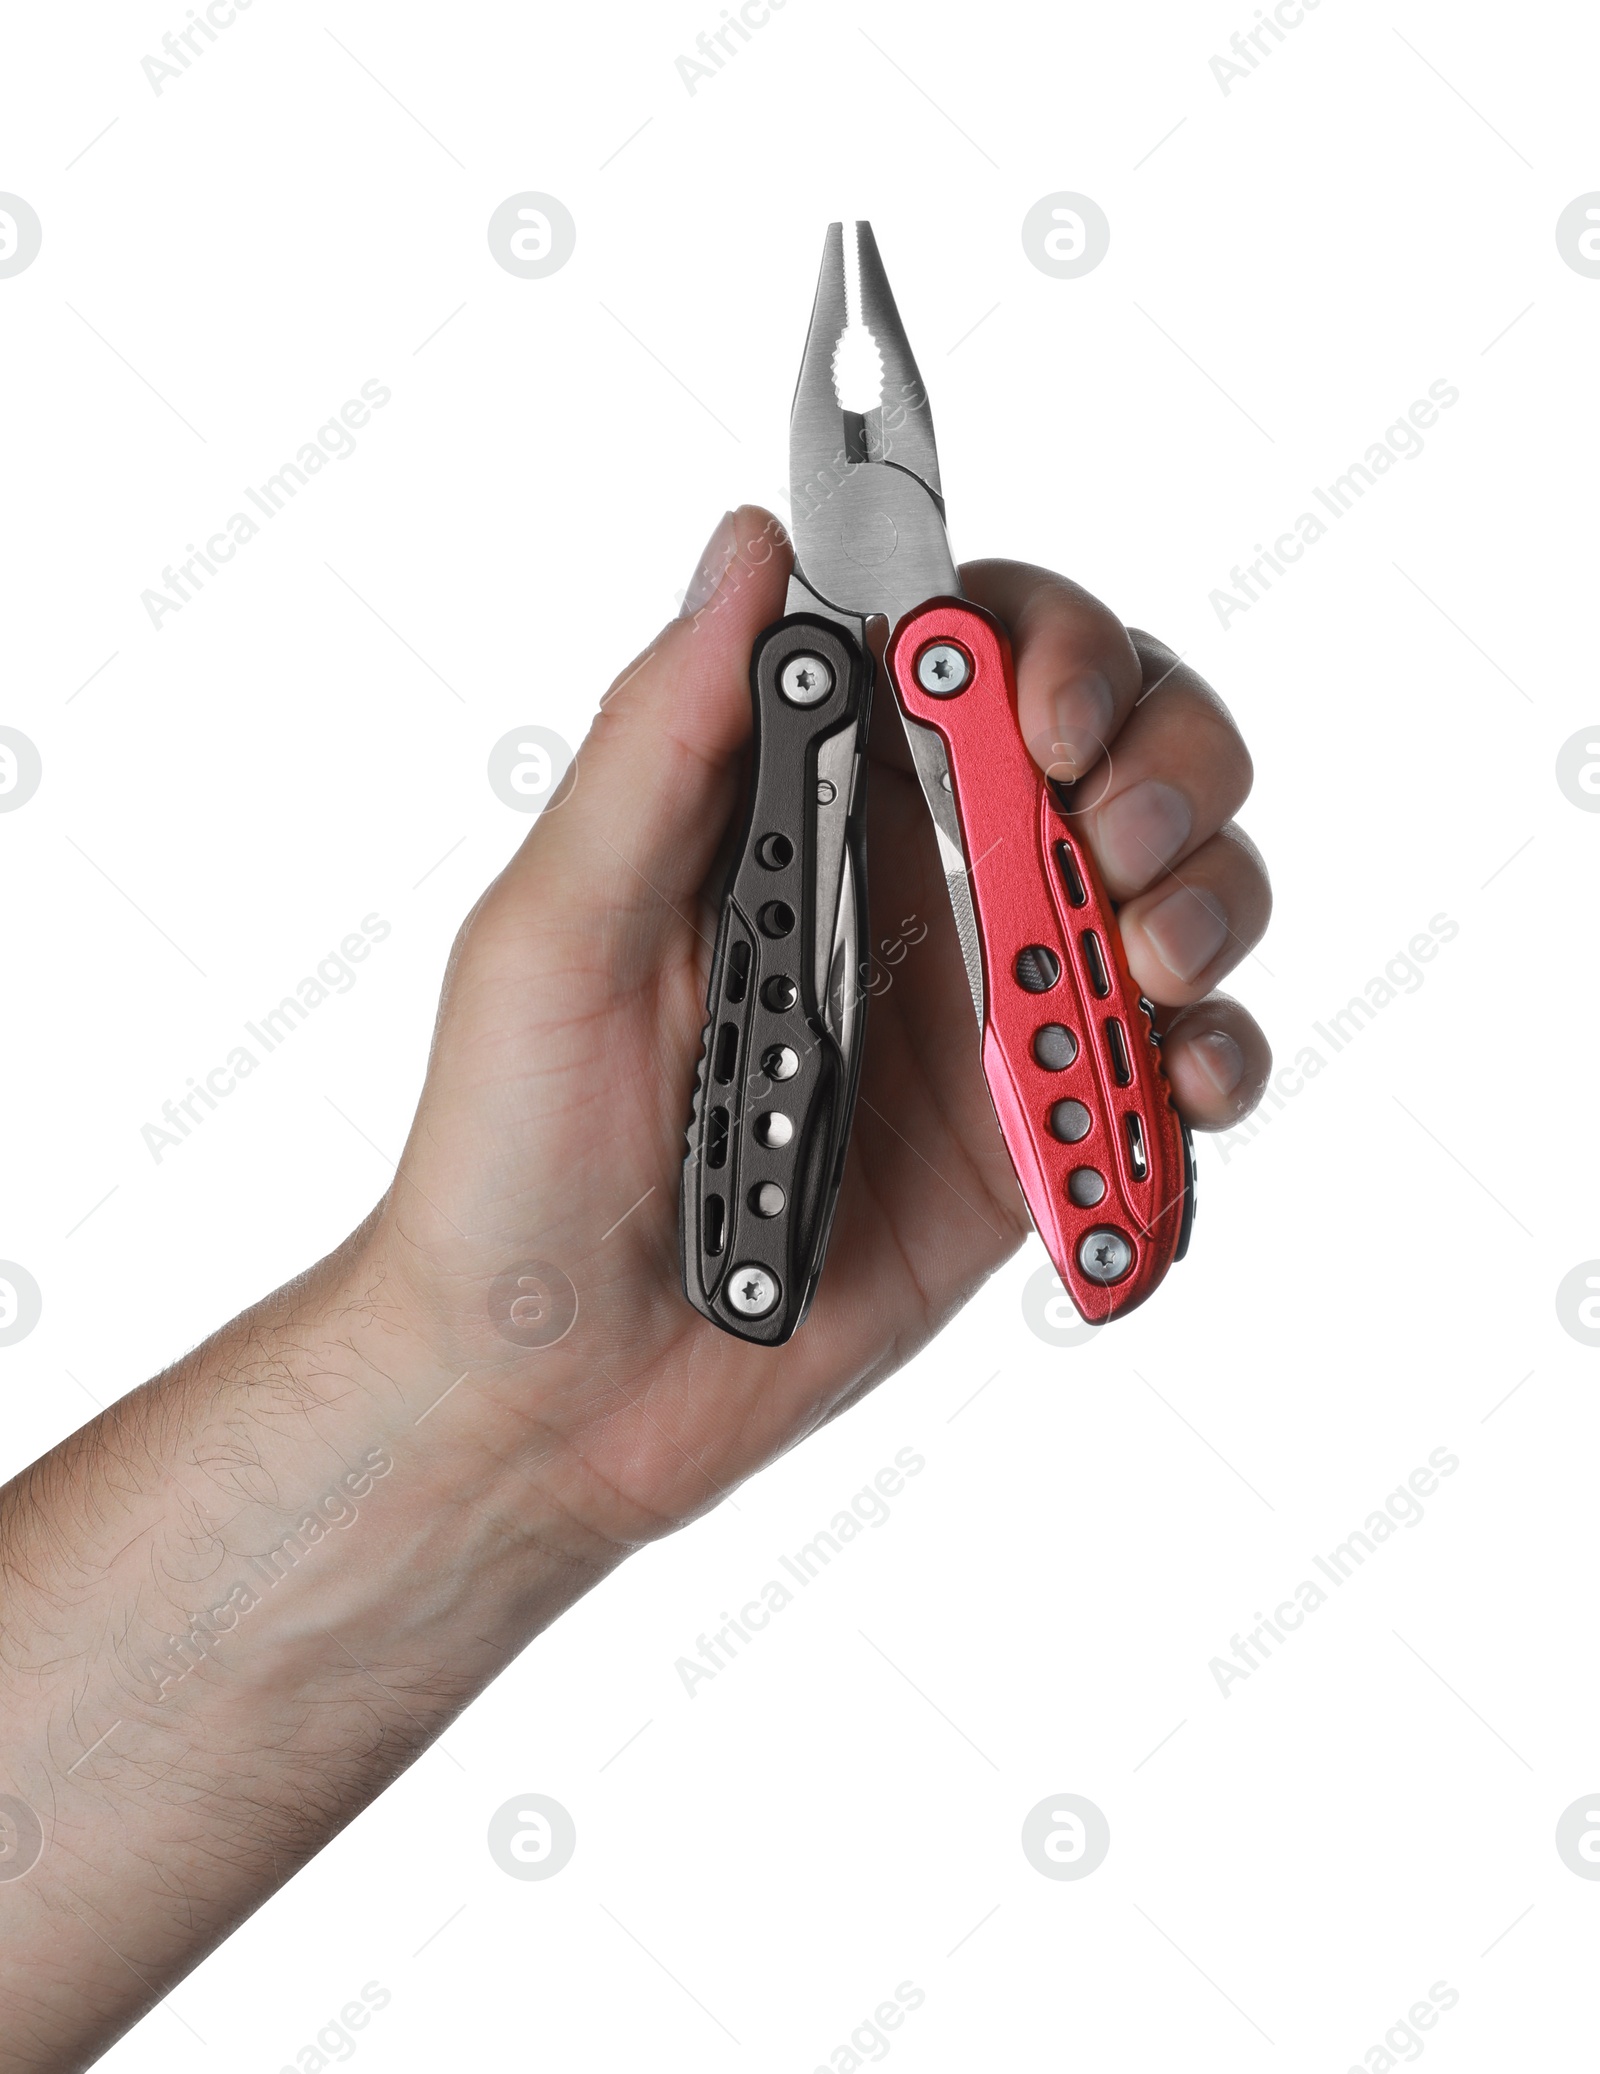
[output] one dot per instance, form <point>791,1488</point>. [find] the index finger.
<point>1078,674</point>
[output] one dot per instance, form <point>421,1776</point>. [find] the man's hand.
<point>246,1596</point>
<point>552,1124</point>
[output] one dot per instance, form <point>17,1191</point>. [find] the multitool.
<point>1069,1046</point>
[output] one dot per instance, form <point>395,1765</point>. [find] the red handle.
<point>1097,1145</point>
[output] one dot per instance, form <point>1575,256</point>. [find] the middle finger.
<point>1176,772</point>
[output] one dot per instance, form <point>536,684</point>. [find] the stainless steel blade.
<point>933,775</point>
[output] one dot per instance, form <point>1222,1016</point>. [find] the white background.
<point>1372,1272</point>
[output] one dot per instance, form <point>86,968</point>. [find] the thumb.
<point>657,776</point>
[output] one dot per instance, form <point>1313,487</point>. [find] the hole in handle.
<point>1037,969</point>
<point>1055,1047</point>
<point>1070,1122</point>
<point>1067,865</point>
<point>1117,1045</point>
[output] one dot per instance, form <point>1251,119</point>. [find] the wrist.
<point>487,1399</point>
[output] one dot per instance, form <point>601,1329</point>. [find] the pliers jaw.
<point>868,515</point>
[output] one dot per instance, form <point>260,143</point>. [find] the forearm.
<point>237,1605</point>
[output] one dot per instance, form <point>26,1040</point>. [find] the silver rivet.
<point>751,1291</point>
<point>805,680</point>
<point>780,1062</point>
<point>827,792</point>
<point>774,1129</point>
<point>1104,1256</point>
<point>942,669</point>
<point>768,1199</point>
<point>1086,1185</point>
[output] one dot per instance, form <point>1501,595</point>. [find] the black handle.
<point>781,1055</point>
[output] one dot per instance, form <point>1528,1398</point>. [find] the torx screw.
<point>1104,1256</point>
<point>751,1291</point>
<point>805,680</point>
<point>942,669</point>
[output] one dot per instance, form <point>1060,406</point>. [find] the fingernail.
<point>1188,929</point>
<point>1141,831</point>
<point>1084,709</point>
<point>1222,1059</point>
<point>710,569</point>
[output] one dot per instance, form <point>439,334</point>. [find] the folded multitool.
<point>1069,1046</point>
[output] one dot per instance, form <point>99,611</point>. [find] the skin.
<point>464,1489</point>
